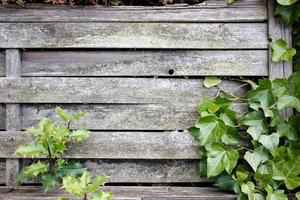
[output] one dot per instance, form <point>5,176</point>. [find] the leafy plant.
<point>263,162</point>
<point>50,141</point>
<point>84,188</point>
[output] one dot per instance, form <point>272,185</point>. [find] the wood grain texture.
<point>2,117</point>
<point>117,145</point>
<point>2,63</point>
<point>210,11</point>
<point>277,30</point>
<point>13,112</point>
<point>128,192</point>
<point>107,90</point>
<point>145,63</point>
<point>142,171</point>
<point>121,116</point>
<point>134,35</point>
<point>2,172</point>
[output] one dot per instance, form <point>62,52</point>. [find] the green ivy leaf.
<point>210,129</point>
<point>260,155</point>
<point>231,136</point>
<point>219,158</point>
<point>288,101</point>
<point>270,141</point>
<point>287,171</point>
<point>256,122</point>
<point>99,181</point>
<point>275,195</point>
<point>294,84</point>
<point>281,51</point>
<point>73,169</point>
<point>289,14</point>
<point>102,196</point>
<point>286,2</point>
<point>78,116</point>
<point>203,167</point>
<point>229,118</point>
<point>297,195</point>
<point>264,172</point>
<point>80,134</point>
<point>249,189</point>
<point>226,183</point>
<point>36,168</point>
<point>31,150</point>
<point>230,1</point>
<point>279,87</point>
<point>211,81</point>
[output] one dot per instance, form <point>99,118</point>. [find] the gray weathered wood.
<point>211,11</point>
<point>128,192</point>
<point>134,35</point>
<point>107,90</point>
<point>2,63</point>
<point>2,117</point>
<point>121,116</point>
<point>142,171</point>
<point>117,145</point>
<point>145,63</point>
<point>2,171</point>
<point>278,31</point>
<point>13,112</point>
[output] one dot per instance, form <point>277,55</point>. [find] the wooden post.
<point>13,112</point>
<point>278,31</point>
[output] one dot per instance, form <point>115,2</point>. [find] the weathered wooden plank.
<point>210,11</point>
<point>134,35</point>
<point>127,192</point>
<point>117,145</point>
<point>2,117</point>
<point>2,63</point>
<point>2,171</point>
<point>121,116</point>
<point>145,63</point>
<point>143,171</point>
<point>107,90</point>
<point>13,112</point>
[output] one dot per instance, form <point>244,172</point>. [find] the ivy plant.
<point>50,142</point>
<point>255,154</point>
<point>84,188</point>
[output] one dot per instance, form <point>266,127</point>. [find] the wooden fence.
<point>137,71</point>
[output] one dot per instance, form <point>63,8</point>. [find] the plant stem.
<point>85,196</point>
<point>50,157</point>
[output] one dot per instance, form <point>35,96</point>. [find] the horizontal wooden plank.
<point>117,145</point>
<point>121,116</point>
<point>144,63</point>
<point>107,90</point>
<point>134,35</point>
<point>142,171</point>
<point>210,11</point>
<point>126,193</point>
<point>2,63</point>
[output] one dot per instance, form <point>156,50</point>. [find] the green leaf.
<point>259,155</point>
<point>73,169</point>
<point>211,81</point>
<point>63,114</point>
<point>264,172</point>
<point>287,101</point>
<point>248,187</point>
<point>275,195</point>
<point>281,51</point>
<point>270,141</point>
<point>80,134</point>
<point>297,195</point>
<point>73,186</point>
<point>203,167</point>
<point>231,136</point>
<point>102,196</point>
<point>279,87</point>
<point>49,181</point>
<point>287,171</point>
<point>85,179</point>
<point>220,158</point>
<point>210,129</point>
<point>230,1</point>
<point>36,168</point>
<point>31,150</point>
<point>94,186</point>
<point>226,183</point>
<point>256,122</point>
<point>229,118</point>
<point>294,84</point>
<point>289,14</point>
<point>78,116</point>
<point>286,2</point>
